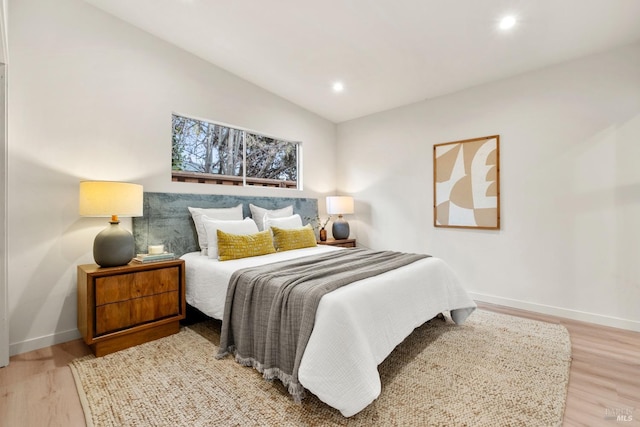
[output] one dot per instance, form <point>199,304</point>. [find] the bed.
<point>356,326</point>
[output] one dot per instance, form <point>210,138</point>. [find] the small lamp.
<point>114,245</point>
<point>340,205</point>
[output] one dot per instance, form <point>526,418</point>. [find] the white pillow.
<point>230,214</point>
<point>285,223</point>
<point>258,213</point>
<point>211,226</point>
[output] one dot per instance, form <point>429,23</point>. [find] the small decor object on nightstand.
<point>318,223</point>
<point>144,258</point>
<point>155,249</point>
<point>114,246</point>
<point>340,205</point>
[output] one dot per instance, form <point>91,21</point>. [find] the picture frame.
<point>466,183</point>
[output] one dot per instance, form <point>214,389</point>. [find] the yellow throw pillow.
<point>296,238</point>
<point>235,246</point>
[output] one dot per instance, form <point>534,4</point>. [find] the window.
<point>212,153</point>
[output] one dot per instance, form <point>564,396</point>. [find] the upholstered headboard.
<point>167,220</point>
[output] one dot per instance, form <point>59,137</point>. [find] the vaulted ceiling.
<point>386,53</point>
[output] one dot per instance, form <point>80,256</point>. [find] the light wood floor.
<point>37,388</point>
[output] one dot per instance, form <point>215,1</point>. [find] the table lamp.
<point>340,205</point>
<point>114,245</point>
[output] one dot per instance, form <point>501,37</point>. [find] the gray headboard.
<point>167,220</point>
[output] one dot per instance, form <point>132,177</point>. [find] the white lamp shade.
<point>339,205</point>
<point>108,198</point>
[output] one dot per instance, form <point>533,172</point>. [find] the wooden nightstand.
<point>344,243</point>
<point>119,307</point>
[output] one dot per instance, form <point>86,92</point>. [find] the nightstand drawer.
<point>155,282</point>
<point>154,307</point>
<point>119,315</point>
<point>126,286</point>
<point>112,317</point>
<point>113,289</point>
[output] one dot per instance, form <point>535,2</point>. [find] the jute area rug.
<point>495,370</point>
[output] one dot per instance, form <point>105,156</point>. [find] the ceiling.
<point>387,53</point>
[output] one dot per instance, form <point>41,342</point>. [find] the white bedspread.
<point>356,326</point>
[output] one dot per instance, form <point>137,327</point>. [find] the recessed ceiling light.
<point>338,87</point>
<point>507,22</point>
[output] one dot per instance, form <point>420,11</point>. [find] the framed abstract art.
<point>466,183</point>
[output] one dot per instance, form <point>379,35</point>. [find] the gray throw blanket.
<point>270,310</point>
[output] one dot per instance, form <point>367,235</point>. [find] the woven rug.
<point>494,370</point>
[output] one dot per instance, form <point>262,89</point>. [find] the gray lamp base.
<point>340,229</point>
<point>113,246</point>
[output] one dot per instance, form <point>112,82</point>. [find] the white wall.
<point>3,31</point>
<point>4,293</point>
<point>91,97</point>
<point>570,184</point>
<point>4,300</point>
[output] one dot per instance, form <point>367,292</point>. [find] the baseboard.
<point>599,319</point>
<point>45,341</point>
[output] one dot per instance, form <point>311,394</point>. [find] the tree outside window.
<point>208,152</point>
